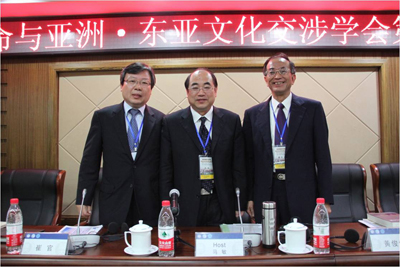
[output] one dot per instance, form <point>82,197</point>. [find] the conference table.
<point>112,253</point>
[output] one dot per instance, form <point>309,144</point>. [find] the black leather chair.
<point>40,194</point>
<point>350,203</point>
<point>385,183</point>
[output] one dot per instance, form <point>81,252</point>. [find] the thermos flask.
<point>269,224</point>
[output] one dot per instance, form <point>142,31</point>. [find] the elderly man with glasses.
<point>202,155</point>
<point>287,151</point>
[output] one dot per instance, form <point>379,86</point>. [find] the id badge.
<point>279,157</point>
<point>206,168</point>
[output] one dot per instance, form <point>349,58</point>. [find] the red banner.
<point>232,31</point>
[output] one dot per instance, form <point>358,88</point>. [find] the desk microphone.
<point>174,194</point>
<point>79,240</point>
<point>238,199</point>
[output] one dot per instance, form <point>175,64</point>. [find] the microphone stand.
<point>177,232</point>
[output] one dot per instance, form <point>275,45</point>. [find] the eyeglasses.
<point>196,88</point>
<point>142,83</point>
<point>272,73</point>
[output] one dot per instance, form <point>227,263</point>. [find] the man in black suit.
<point>128,136</point>
<point>288,157</point>
<point>202,155</point>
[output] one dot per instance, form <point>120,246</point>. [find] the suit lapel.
<point>296,116</point>
<point>120,128</point>
<point>263,123</point>
<point>148,125</point>
<point>188,124</point>
<point>218,126</point>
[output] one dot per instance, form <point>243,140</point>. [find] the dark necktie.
<point>134,126</point>
<point>204,134</point>
<point>281,119</point>
<point>206,184</point>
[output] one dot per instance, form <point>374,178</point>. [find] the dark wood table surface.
<point>112,253</point>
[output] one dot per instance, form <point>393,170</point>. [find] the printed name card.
<point>45,244</point>
<point>219,244</point>
<point>384,239</point>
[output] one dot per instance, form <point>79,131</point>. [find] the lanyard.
<point>277,126</point>
<point>208,138</point>
<point>133,135</point>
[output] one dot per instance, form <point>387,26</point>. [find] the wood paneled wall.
<point>29,88</point>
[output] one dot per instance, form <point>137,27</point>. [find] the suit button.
<point>134,166</point>
<point>131,186</point>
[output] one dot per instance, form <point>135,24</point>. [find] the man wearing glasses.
<point>287,151</point>
<point>127,135</point>
<point>202,155</point>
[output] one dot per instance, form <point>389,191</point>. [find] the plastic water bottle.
<point>14,228</point>
<point>166,231</point>
<point>321,228</point>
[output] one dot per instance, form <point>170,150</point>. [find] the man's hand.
<point>237,213</point>
<point>86,210</point>
<point>328,208</point>
<point>250,210</point>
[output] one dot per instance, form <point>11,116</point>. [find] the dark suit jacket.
<point>308,160</point>
<point>121,175</point>
<point>180,150</point>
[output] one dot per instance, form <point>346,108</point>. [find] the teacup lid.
<point>141,227</point>
<point>295,226</point>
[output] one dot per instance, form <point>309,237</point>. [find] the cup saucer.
<point>306,250</point>
<point>152,250</point>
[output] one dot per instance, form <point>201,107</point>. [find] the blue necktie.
<point>281,119</point>
<point>134,126</point>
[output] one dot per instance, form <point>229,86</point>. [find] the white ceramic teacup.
<point>295,237</point>
<point>140,238</point>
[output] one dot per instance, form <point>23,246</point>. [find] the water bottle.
<point>166,231</point>
<point>269,224</point>
<point>14,228</point>
<point>321,228</point>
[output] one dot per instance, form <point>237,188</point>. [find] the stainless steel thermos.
<point>269,224</point>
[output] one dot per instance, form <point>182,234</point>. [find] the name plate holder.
<point>40,243</point>
<point>210,244</point>
<point>383,239</point>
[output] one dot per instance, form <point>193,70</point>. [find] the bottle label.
<point>165,239</point>
<point>321,236</point>
<point>14,235</point>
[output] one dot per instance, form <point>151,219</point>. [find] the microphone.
<point>351,236</point>
<point>79,240</point>
<point>80,212</point>
<point>238,199</point>
<point>174,194</point>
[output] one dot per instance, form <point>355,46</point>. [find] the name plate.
<point>384,239</point>
<point>45,244</point>
<point>219,244</point>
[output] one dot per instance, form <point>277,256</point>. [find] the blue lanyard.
<point>208,138</point>
<point>277,126</point>
<point>131,130</point>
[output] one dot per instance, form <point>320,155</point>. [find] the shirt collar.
<point>196,116</point>
<point>127,107</point>
<point>287,102</point>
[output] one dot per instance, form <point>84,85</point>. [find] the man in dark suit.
<point>128,136</point>
<point>202,155</point>
<point>288,157</point>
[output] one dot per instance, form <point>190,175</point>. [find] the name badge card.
<point>383,239</point>
<point>206,168</point>
<point>45,244</point>
<point>219,244</point>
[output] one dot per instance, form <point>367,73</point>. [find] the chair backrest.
<point>385,183</point>
<point>40,194</point>
<point>349,193</point>
<point>95,217</point>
